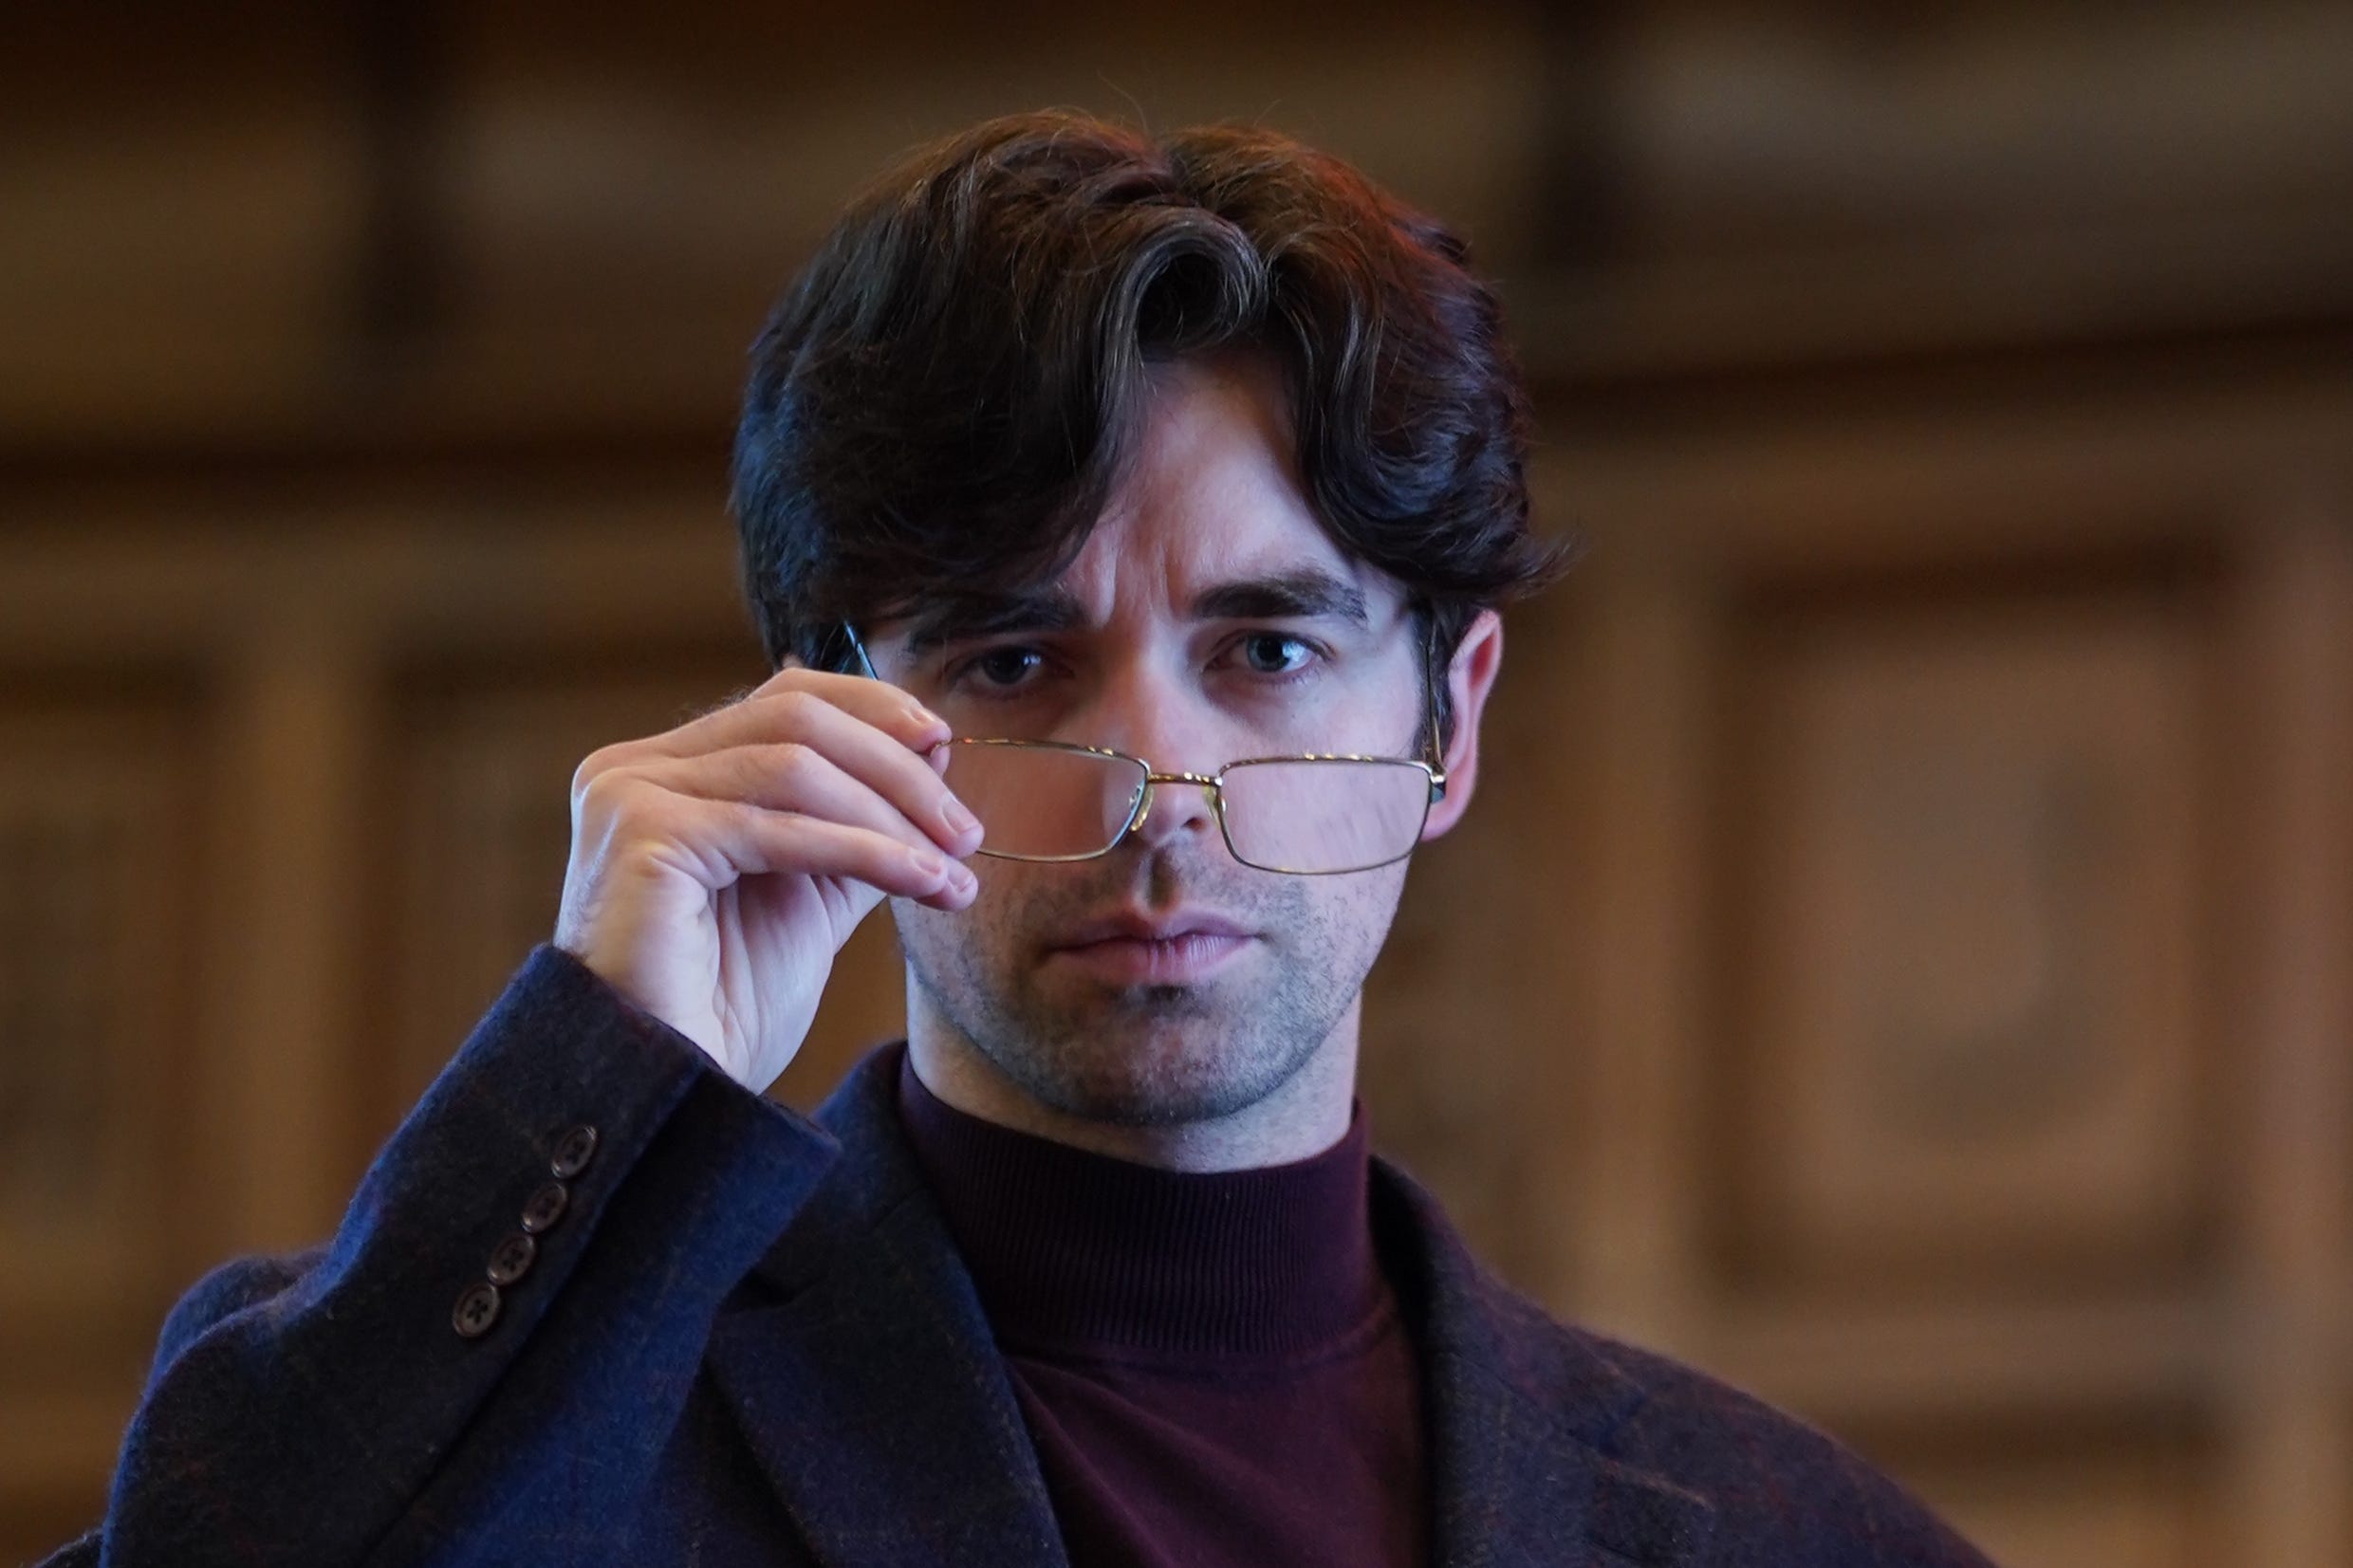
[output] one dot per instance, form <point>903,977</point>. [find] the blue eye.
<point>1289,654</point>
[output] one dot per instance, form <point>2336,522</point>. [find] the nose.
<point>1173,811</point>
<point>1160,720</point>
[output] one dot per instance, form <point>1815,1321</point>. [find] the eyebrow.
<point>1307,594</point>
<point>980,614</point>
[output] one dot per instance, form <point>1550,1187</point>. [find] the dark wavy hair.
<point>948,393</point>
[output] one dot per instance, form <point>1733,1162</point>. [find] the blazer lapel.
<point>1516,1409</point>
<point>862,1369</point>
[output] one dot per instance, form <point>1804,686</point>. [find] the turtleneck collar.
<point>1072,1250</point>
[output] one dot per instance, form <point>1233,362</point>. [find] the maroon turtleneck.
<point>1213,1369</point>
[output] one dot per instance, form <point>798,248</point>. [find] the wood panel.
<point>2122,1499</point>
<point>1963,1041</point>
<point>102,830</point>
<point>1963,947</point>
<point>97,819</point>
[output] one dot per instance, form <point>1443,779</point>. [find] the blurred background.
<point>1902,957</point>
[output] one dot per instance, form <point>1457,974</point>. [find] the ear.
<point>1469,679</point>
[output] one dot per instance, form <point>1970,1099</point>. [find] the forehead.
<point>1211,512</point>
<point>1214,489</point>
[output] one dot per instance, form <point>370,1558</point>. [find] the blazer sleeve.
<point>520,1291</point>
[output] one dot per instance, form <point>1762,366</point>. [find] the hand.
<point>717,868</point>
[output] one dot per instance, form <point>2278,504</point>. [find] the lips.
<point>1130,948</point>
<point>1189,958</point>
<point>1136,925</point>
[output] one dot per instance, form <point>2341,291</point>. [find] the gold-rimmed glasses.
<point>1304,814</point>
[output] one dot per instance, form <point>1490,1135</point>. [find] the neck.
<point>1084,1254</point>
<point>1304,1115</point>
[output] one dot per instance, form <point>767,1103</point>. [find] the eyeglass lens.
<point>1324,816</point>
<point>1043,802</point>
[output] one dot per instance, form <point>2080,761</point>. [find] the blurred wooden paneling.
<point>359,225</point>
<point>1962,1044</point>
<point>100,811</point>
<point>1960,962</point>
<point>102,826</point>
<point>2072,1503</point>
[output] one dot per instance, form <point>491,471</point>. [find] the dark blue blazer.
<point>747,1339</point>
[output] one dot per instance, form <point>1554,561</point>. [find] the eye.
<point>1276,652</point>
<point>999,668</point>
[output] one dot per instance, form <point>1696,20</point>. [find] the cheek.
<point>1359,906</point>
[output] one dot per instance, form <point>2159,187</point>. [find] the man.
<point>1127,521</point>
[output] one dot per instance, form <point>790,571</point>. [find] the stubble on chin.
<point>1137,1055</point>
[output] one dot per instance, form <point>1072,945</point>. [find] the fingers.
<point>857,755</point>
<point>628,818</point>
<point>777,709</point>
<point>872,730</point>
<point>908,778</point>
<point>755,840</point>
<point>792,776</point>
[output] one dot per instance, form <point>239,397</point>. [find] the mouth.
<point>1175,960</point>
<point>1170,950</point>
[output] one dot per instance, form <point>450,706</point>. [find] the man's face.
<point>1208,619</point>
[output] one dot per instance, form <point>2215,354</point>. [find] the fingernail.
<point>929,864</point>
<point>959,819</point>
<point>963,878</point>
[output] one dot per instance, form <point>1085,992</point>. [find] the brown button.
<point>546,1207</point>
<point>573,1152</point>
<point>476,1310</point>
<point>513,1258</point>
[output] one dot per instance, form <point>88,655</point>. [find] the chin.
<point>1149,1070</point>
<point>1137,1052</point>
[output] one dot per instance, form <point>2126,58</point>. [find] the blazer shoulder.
<point>1782,1490</point>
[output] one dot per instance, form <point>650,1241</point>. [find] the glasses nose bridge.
<point>1153,778</point>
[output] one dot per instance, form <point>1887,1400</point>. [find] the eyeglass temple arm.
<point>1438,747</point>
<point>860,649</point>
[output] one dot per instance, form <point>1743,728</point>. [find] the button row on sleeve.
<point>573,1152</point>
<point>476,1310</point>
<point>477,1307</point>
<point>513,1258</point>
<point>545,1208</point>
